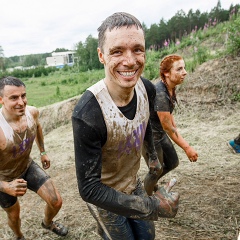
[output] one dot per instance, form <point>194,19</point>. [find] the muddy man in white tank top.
<point>19,127</point>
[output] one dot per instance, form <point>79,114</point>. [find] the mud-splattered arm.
<point>40,139</point>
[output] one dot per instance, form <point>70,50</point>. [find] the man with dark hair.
<point>110,124</point>
<point>19,127</point>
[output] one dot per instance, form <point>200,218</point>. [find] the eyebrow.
<point>121,47</point>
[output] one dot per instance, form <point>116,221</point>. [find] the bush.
<point>234,36</point>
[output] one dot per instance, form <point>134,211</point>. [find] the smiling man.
<point>110,126</point>
<point>19,127</point>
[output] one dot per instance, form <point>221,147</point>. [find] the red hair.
<point>165,67</point>
<point>167,63</point>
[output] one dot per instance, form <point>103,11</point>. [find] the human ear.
<point>100,56</point>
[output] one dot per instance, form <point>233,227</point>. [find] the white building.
<point>59,59</point>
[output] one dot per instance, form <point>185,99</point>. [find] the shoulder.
<point>150,88</point>
<point>88,111</point>
<point>148,84</point>
<point>33,111</point>
<point>160,86</point>
<point>87,105</point>
<point>87,118</point>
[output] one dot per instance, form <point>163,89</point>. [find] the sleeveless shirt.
<point>121,153</point>
<point>15,158</point>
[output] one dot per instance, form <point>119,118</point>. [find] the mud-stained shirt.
<point>15,158</point>
<point>90,138</point>
<point>122,152</point>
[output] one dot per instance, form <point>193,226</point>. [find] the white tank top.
<point>121,153</point>
<point>15,158</point>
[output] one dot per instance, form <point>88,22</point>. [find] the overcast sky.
<point>30,27</point>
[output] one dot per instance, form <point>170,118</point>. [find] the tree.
<point>163,32</point>
<point>91,46</point>
<point>87,54</point>
<point>152,38</point>
<point>31,60</point>
<point>145,29</point>
<point>61,50</point>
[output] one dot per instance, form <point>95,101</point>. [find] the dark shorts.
<point>35,177</point>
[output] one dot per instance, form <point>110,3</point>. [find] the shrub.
<point>234,36</point>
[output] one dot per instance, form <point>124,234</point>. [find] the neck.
<point>9,118</point>
<point>122,99</point>
<point>121,96</point>
<point>170,83</point>
<point>18,123</point>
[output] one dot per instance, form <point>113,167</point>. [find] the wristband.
<point>43,153</point>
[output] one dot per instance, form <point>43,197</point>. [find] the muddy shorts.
<point>35,177</point>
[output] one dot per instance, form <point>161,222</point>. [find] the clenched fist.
<point>168,200</point>
<point>16,188</point>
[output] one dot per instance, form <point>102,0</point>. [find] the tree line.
<point>158,36</point>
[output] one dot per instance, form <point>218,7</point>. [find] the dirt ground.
<point>209,189</point>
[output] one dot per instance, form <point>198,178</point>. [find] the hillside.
<point>209,189</point>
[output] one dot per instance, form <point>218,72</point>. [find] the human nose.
<point>21,101</point>
<point>129,58</point>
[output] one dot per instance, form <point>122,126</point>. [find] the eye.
<point>139,50</point>
<point>14,98</point>
<point>116,51</point>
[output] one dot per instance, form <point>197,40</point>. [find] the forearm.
<point>40,139</point>
<point>169,126</point>
<point>119,203</point>
<point>92,190</point>
<point>177,138</point>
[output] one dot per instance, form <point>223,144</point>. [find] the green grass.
<point>58,86</point>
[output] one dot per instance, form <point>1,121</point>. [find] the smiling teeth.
<point>127,74</point>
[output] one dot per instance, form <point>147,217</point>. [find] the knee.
<point>50,195</point>
<point>56,202</point>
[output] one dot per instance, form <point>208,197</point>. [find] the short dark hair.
<point>118,20</point>
<point>12,81</point>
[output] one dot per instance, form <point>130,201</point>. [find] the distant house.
<point>60,59</point>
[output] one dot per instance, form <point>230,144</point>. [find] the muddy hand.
<point>45,162</point>
<point>168,200</point>
<point>155,171</point>
<point>17,187</point>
